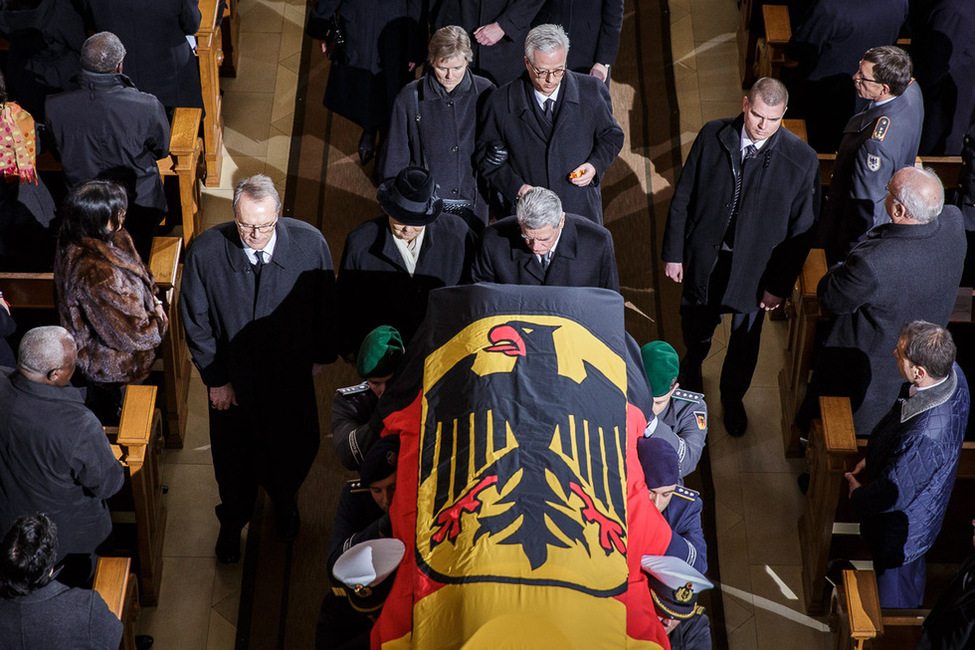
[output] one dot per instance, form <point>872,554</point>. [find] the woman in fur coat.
<point>106,295</point>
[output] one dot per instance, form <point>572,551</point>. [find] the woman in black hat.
<point>392,262</point>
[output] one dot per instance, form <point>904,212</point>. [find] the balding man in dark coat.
<point>498,28</point>
<point>542,245</point>
<point>557,127</point>
<point>905,270</point>
<point>594,29</point>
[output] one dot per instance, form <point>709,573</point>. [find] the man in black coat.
<point>542,245</point>
<point>391,263</point>
<point>737,235</point>
<point>876,142</point>
<point>108,129</point>
<point>54,456</point>
<point>258,309</point>
<point>498,28</point>
<point>161,60</point>
<point>552,128</point>
<point>905,270</point>
<point>594,29</point>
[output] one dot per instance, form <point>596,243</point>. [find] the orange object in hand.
<point>579,173</point>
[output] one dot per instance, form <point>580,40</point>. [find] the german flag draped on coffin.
<point>519,493</point>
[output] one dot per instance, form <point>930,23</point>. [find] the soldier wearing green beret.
<point>682,416</point>
<point>353,406</point>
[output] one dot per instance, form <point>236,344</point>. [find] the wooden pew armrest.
<point>112,582</point>
<point>837,415</point>
<point>862,604</point>
<point>209,18</point>
<point>135,426</point>
<point>778,28</point>
<point>164,261</point>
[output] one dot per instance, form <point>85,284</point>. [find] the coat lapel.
<point>520,105</point>
<point>567,114</point>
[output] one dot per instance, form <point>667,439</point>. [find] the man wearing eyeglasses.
<point>257,304</point>
<point>542,245</point>
<point>876,142</point>
<point>551,128</point>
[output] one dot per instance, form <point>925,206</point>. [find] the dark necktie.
<point>751,151</point>
<point>259,266</point>
<point>548,109</point>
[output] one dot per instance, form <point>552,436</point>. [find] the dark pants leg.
<point>902,587</point>
<point>742,355</point>
<point>697,323</point>
<point>234,449</point>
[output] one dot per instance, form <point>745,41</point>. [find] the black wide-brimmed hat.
<point>411,198</point>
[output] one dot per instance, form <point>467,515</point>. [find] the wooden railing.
<point>209,51</point>
<point>117,587</point>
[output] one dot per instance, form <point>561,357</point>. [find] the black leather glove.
<point>496,154</point>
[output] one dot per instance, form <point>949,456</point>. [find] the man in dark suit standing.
<point>542,245</point>
<point>553,128</point>
<point>498,28</point>
<point>737,235</point>
<point>594,29</point>
<point>905,270</point>
<point>258,308</point>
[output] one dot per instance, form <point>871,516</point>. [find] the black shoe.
<point>735,418</point>
<point>287,521</point>
<point>143,641</point>
<point>367,146</point>
<point>228,545</point>
<point>803,482</point>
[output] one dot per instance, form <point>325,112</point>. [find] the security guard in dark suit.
<point>876,142</point>
<point>680,506</point>
<point>353,406</point>
<point>682,416</point>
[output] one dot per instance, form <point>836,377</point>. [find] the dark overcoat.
<point>943,51</point>
<point>45,51</point>
<point>779,203</point>
<point>382,38</point>
<point>7,327</point>
<point>584,130</point>
<point>55,459</point>
<point>899,273</point>
<point>376,289</point>
<point>56,616</point>
<point>505,60</point>
<point>593,27</point>
<point>876,143</point>
<point>264,344</point>
<point>159,59</point>
<point>441,137</point>
<point>84,127</point>
<point>583,257</point>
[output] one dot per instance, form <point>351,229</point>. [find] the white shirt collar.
<point>745,141</point>
<point>540,98</point>
<point>268,250</point>
<point>914,390</point>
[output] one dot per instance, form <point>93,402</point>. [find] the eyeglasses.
<point>554,74</point>
<point>894,196</point>
<point>859,78</point>
<point>257,230</point>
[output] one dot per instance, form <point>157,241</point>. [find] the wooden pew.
<point>805,314</point>
<point>833,450</point>
<point>117,587</point>
<point>747,42</point>
<point>137,442</point>
<point>230,28</point>
<point>770,52</point>
<point>863,624</point>
<point>36,291</point>
<point>948,168</point>
<point>209,52</point>
<point>797,127</point>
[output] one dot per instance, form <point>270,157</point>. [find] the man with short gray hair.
<point>108,129</point>
<point>542,245</point>
<point>54,456</point>
<point>905,270</point>
<point>552,128</point>
<point>258,306</point>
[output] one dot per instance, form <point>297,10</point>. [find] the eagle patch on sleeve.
<point>873,162</point>
<point>702,419</point>
<point>880,128</point>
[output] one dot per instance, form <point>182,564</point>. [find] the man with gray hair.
<point>905,270</point>
<point>552,128</point>
<point>54,456</point>
<point>737,235</point>
<point>108,129</point>
<point>542,245</point>
<point>258,306</point>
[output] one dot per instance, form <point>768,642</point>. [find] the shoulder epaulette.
<point>352,390</point>
<point>688,396</point>
<point>355,485</point>
<point>686,493</point>
<point>880,128</point>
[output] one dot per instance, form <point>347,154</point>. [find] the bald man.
<point>905,270</point>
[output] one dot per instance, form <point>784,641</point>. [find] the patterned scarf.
<point>17,146</point>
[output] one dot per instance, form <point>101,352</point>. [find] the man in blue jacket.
<point>901,488</point>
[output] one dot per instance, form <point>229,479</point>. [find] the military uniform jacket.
<point>584,256</point>
<point>876,143</point>
<point>684,424</point>
<point>684,516</point>
<point>872,295</point>
<point>352,409</point>
<point>55,459</point>
<point>357,520</point>
<point>778,207</point>
<point>584,130</point>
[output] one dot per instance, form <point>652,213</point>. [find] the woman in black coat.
<point>383,45</point>
<point>433,124</point>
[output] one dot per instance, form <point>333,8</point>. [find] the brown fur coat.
<point>105,297</point>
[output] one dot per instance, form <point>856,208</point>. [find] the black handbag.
<point>331,30</point>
